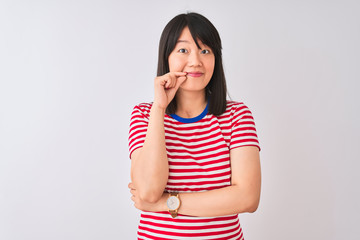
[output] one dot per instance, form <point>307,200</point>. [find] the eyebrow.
<point>186,41</point>
<point>183,41</point>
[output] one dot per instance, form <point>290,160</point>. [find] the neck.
<point>190,104</point>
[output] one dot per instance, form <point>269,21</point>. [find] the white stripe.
<point>187,238</point>
<point>208,230</point>
<point>209,137</point>
<point>137,143</point>
<point>237,129</point>
<point>198,179</point>
<point>138,134</point>
<point>193,149</point>
<point>197,129</point>
<point>224,157</point>
<point>244,144</point>
<point>244,138</point>
<point>195,167</point>
<point>199,154</point>
<point>134,126</point>
<point>195,224</point>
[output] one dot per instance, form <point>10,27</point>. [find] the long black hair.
<point>201,29</point>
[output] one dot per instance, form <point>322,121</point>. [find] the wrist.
<point>173,203</point>
<point>162,202</point>
<point>158,108</point>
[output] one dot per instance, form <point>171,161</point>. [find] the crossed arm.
<point>242,196</point>
<point>150,170</point>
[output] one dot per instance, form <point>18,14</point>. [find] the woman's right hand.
<point>165,87</point>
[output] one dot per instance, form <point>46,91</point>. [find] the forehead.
<point>187,38</point>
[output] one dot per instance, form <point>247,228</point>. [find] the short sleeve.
<point>243,130</point>
<point>138,126</point>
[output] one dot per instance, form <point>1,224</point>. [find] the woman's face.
<point>197,63</point>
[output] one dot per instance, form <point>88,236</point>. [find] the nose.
<point>194,59</point>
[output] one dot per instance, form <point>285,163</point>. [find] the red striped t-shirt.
<point>198,152</point>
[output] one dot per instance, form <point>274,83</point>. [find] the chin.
<point>192,89</point>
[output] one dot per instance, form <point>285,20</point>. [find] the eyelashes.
<point>203,51</point>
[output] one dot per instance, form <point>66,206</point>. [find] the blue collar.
<point>191,120</point>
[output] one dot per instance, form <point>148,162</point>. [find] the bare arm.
<point>149,164</point>
<point>242,196</point>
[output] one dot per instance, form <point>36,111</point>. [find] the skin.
<point>187,57</point>
<point>149,167</point>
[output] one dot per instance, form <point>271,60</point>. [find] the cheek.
<point>210,65</point>
<point>175,64</point>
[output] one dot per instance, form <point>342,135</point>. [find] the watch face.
<point>173,203</point>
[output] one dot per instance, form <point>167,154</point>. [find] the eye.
<point>205,51</point>
<point>183,50</point>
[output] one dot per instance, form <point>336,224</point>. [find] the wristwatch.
<point>173,204</point>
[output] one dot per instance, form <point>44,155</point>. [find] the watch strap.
<point>174,212</point>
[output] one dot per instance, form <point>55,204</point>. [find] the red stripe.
<point>200,157</point>
<point>137,119</point>
<point>136,142</point>
<point>238,234</point>
<point>140,131</point>
<point>182,133</point>
<point>186,138</point>
<point>207,150</point>
<point>243,135</point>
<point>172,163</point>
<point>140,137</point>
<point>238,128</point>
<point>194,146</point>
<point>187,220</point>
<point>243,141</point>
<point>198,183</point>
<point>198,227</point>
<point>190,127</point>
<point>180,234</point>
<point>253,145</point>
<point>244,123</point>
<point>199,169</point>
<point>227,173</point>
<point>187,189</point>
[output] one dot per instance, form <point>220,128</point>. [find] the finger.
<point>168,83</point>
<point>180,81</point>
<point>175,77</point>
<point>161,80</point>
<point>178,74</point>
<point>171,81</point>
<point>131,186</point>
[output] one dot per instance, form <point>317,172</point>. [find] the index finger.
<point>178,74</point>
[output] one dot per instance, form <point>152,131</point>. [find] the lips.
<point>194,74</point>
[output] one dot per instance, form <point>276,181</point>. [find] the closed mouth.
<point>194,74</point>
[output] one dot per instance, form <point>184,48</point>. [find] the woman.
<point>194,155</point>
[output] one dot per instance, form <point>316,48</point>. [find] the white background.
<point>71,72</point>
